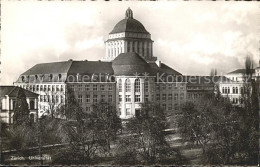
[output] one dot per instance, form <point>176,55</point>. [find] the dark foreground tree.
<point>227,134</point>
<point>249,117</point>
<point>145,139</point>
<point>78,132</point>
<point>106,124</point>
<point>21,110</point>
<point>195,122</point>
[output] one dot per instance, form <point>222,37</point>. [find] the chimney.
<point>158,62</point>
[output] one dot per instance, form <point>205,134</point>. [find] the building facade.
<point>128,76</point>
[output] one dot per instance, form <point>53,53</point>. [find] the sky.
<point>190,37</point>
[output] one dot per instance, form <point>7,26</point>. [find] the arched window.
<point>31,105</point>
<point>120,85</point>
<point>128,85</point>
<point>137,85</point>
<point>22,78</point>
<point>236,90</point>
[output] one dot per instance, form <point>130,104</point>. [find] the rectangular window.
<point>120,87</point>
<point>120,98</point>
<point>49,87</point>
<point>158,97</point>
<point>61,88</point>
<point>164,106</point>
<point>176,86</point>
<point>87,98</point>
<point>175,96</point>
<point>87,87</point>
<point>163,86</point>
<point>80,98</point>
<point>103,98</point>
<point>163,97</point>
<point>128,111</point>
<point>146,98</point>
<point>37,88</point>
<point>137,98</point>
<point>128,87</point>
<point>169,106</point>
<point>102,87</point>
<point>110,87</point>
<point>95,98</point>
<point>80,88</point>
<point>128,98</point>
<point>169,86</point>
<point>181,96</point>
<point>57,88</point>
<point>45,87</point>
<point>41,88</point>
<point>146,86</point>
<point>61,99</point>
<point>157,86</point>
<point>110,98</point>
<point>169,96</point>
<point>95,88</point>
<point>182,86</point>
<point>72,87</point>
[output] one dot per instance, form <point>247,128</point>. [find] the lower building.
<point>8,102</point>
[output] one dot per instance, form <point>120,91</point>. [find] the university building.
<point>128,75</point>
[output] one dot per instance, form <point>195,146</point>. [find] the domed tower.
<point>129,35</point>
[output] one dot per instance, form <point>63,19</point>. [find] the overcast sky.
<point>191,37</point>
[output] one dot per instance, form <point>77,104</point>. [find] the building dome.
<point>128,64</point>
<point>129,24</point>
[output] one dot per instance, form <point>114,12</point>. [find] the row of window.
<point>226,90</point>
<point>169,86</point>
<point>200,88</point>
<point>41,77</point>
<point>43,87</point>
<point>52,98</point>
<point>137,98</point>
<point>176,95</point>
<point>95,87</point>
<point>103,98</point>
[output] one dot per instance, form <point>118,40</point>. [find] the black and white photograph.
<point>130,83</point>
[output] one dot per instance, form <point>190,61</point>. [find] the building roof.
<point>130,64</point>
<point>240,71</point>
<point>164,69</point>
<point>11,91</point>
<point>129,24</point>
<point>89,69</point>
<point>49,68</point>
